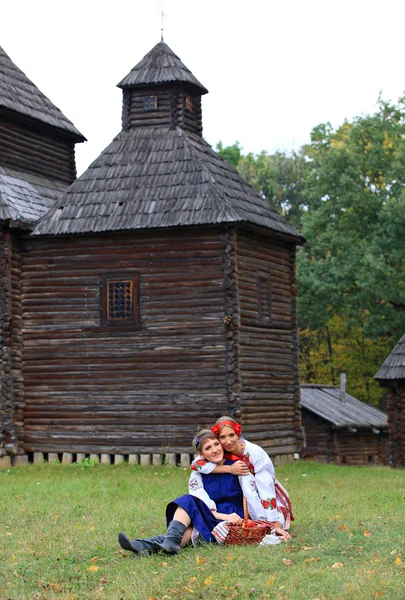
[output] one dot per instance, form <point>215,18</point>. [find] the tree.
<point>346,192</point>
<point>353,264</point>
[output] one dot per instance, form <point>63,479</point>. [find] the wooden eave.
<point>39,125</point>
<point>324,401</point>
<point>297,239</point>
<point>19,94</point>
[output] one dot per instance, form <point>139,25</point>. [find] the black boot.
<point>142,547</point>
<point>172,540</point>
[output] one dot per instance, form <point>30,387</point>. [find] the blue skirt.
<point>201,516</point>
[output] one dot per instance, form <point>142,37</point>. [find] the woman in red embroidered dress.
<point>267,498</point>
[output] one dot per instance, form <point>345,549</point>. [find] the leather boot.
<point>141,547</point>
<point>172,539</point>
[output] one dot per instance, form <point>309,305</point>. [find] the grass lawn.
<point>59,526</point>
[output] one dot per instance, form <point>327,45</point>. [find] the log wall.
<point>94,390</point>
<point>326,444</point>
<point>11,384</point>
<point>267,342</point>
<point>27,149</point>
<point>361,448</point>
<point>318,438</point>
<point>396,423</point>
<point>170,111</point>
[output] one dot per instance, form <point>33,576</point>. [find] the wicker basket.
<point>250,532</point>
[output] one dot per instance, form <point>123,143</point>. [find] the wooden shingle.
<point>158,177</point>
<point>394,365</point>
<point>160,65</point>
<point>19,95</point>
<point>26,196</point>
<point>324,401</point>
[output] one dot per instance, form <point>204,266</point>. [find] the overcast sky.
<point>274,68</point>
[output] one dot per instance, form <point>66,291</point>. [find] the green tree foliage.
<point>353,265</point>
<point>346,192</point>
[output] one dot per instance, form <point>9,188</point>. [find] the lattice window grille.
<point>120,300</point>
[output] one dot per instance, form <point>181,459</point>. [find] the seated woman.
<point>212,500</point>
<point>267,498</point>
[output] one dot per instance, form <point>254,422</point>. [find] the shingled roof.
<point>394,365</point>
<point>25,197</point>
<point>158,177</point>
<point>324,401</point>
<point>160,65</point>
<point>20,95</point>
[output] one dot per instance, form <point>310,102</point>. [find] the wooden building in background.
<point>391,375</point>
<point>341,429</point>
<point>158,293</point>
<point>37,163</point>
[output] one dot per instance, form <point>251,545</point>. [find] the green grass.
<point>59,525</point>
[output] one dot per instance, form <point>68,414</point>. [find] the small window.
<point>120,300</point>
<point>150,103</point>
<point>189,103</point>
<point>263,298</point>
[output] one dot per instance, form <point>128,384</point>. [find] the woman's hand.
<point>232,518</point>
<point>239,468</point>
<point>284,535</point>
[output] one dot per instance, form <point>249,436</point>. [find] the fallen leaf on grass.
<point>187,589</point>
<point>164,564</point>
<point>379,594</point>
<point>92,568</point>
<point>337,565</point>
<point>200,561</point>
<point>344,528</point>
<point>287,562</point>
<point>271,580</point>
<point>54,586</point>
<point>367,533</point>
<point>94,559</point>
<point>209,581</point>
<point>397,560</point>
<point>101,584</point>
<point>313,559</point>
<point>307,548</point>
<point>292,549</point>
<point>229,557</point>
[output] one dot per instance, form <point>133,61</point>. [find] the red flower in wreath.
<point>265,503</point>
<point>274,503</point>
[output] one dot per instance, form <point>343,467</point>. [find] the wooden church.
<point>152,295</point>
<point>391,375</point>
